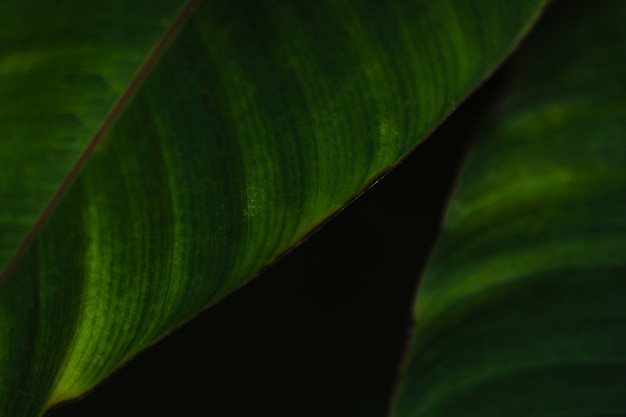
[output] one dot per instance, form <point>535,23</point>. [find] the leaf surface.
<point>231,131</point>
<point>521,312</point>
<point>63,67</point>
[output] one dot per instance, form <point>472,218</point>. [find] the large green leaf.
<point>244,126</point>
<point>522,310</point>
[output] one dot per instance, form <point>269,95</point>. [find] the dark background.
<point>320,333</point>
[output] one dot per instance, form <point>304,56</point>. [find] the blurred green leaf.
<point>522,312</point>
<point>180,148</point>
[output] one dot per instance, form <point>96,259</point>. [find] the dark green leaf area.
<point>63,66</point>
<point>257,122</point>
<point>546,345</point>
<point>521,311</point>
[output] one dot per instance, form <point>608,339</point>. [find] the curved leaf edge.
<point>411,319</point>
<point>188,9</point>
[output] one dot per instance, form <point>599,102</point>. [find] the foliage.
<point>158,155</point>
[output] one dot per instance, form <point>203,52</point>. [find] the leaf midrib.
<point>112,116</point>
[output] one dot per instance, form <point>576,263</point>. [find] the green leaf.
<point>196,143</point>
<point>522,312</point>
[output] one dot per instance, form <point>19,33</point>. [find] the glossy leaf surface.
<point>244,126</point>
<point>522,312</point>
